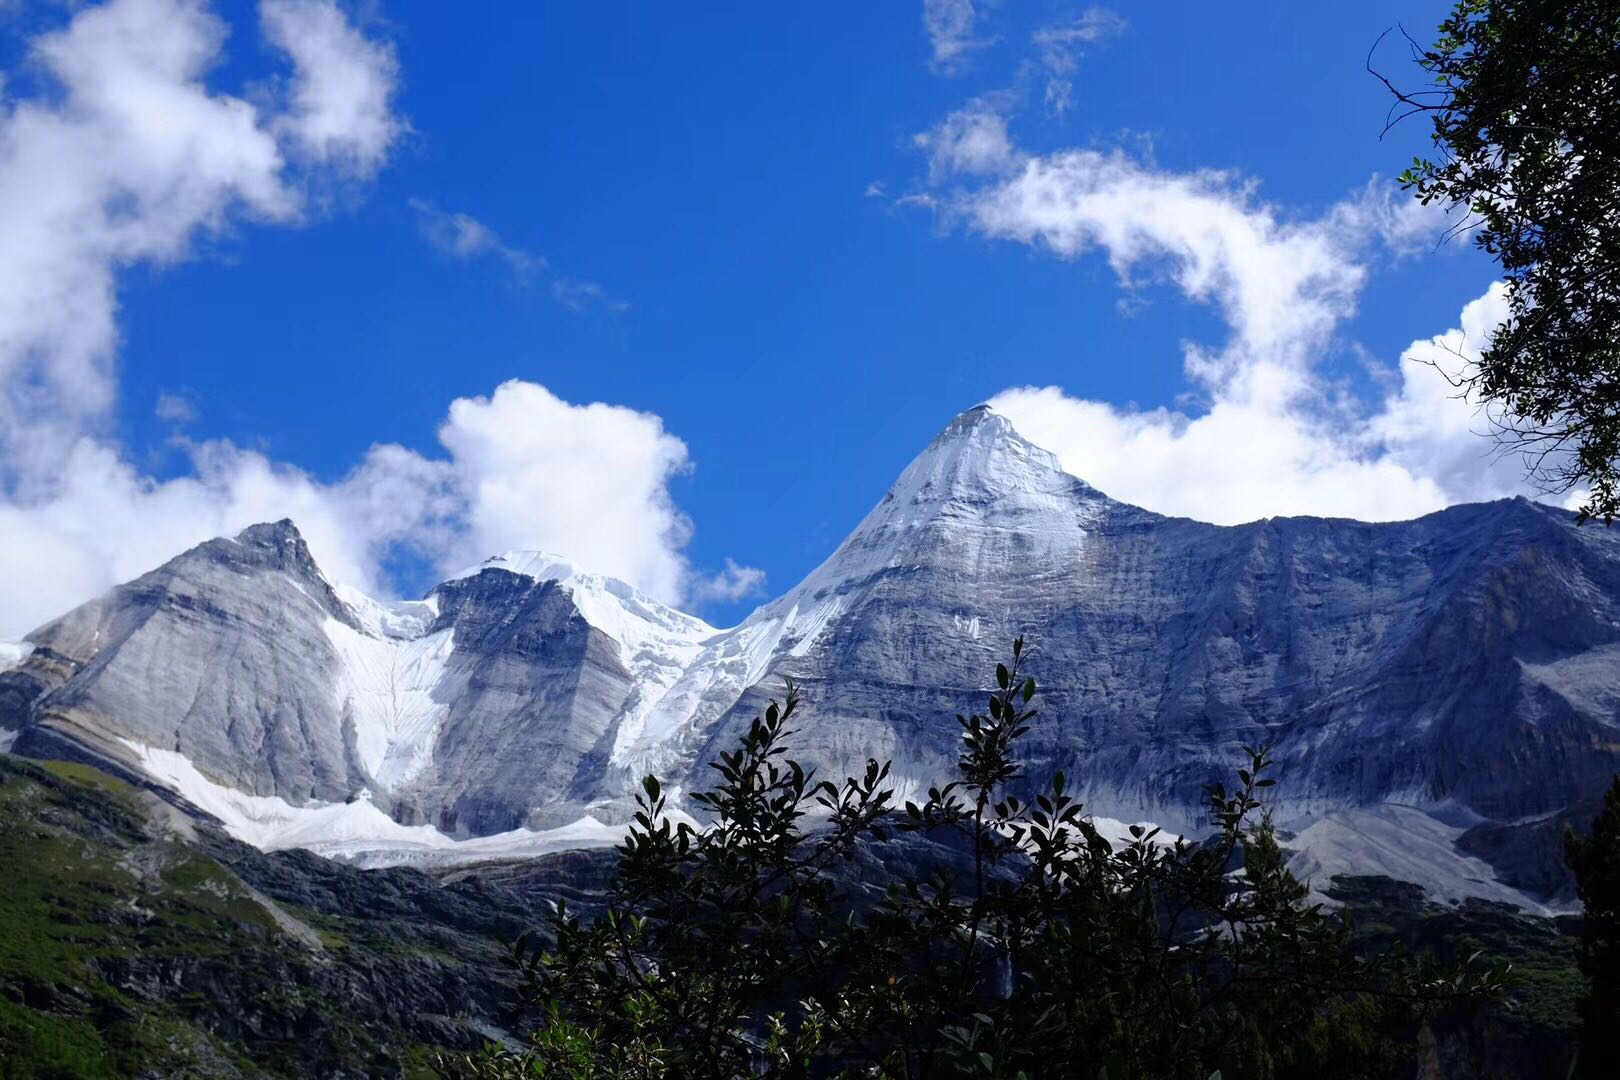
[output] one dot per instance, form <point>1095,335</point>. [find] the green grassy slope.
<point>125,951</point>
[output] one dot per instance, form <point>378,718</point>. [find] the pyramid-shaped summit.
<point>980,504</point>
<point>981,455</point>
<point>980,492</point>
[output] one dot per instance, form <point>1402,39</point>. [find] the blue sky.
<point>722,215</point>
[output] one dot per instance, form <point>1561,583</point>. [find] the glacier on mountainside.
<point>357,831</point>
<point>387,687</point>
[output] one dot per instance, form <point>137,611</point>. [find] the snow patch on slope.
<point>396,677</point>
<point>356,831</point>
<point>729,665</point>
<point>1403,842</point>
<point>394,693</point>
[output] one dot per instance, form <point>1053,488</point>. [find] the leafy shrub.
<point>1024,944</point>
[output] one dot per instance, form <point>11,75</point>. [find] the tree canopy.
<point>1525,107</point>
<point>987,929</point>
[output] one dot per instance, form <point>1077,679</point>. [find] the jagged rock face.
<point>1469,660</point>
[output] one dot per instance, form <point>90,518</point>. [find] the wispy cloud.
<point>952,29</point>
<point>1058,48</point>
<point>578,295</point>
<point>972,141</point>
<point>175,408</point>
<point>463,236</point>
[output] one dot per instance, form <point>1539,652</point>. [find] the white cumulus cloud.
<point>1264,426</point>
<point>132,158</point>
<point>343,84</point>
<point>586,481</point>
<point>1268,432</point>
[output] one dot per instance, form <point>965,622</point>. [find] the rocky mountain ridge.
<point>1417,680</point>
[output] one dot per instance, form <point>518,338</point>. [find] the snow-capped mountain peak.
<point>1464,662</point>
<point>979,501</point>
<point>399,620</point>
<point>978,453</point>
<point>976,488</point>
<point>980,456</point>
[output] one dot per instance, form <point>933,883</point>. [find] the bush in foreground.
<point>1025,945</point>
